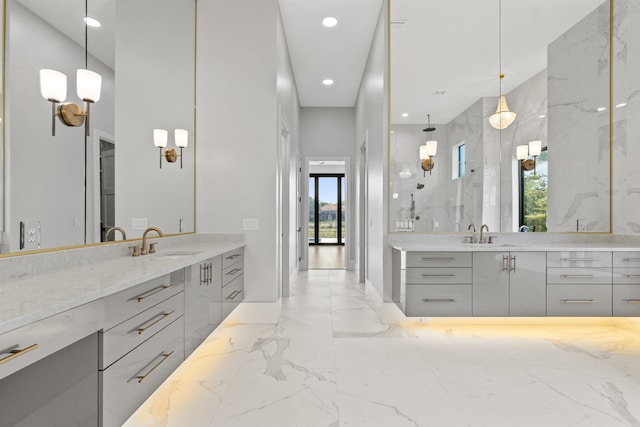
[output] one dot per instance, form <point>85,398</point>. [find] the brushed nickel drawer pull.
<point>164,356</point>
<point>160,317</point>
<point>438,259</point>
<point>203,273</point>
<point>578,276</point>
<point>438,300</point>
<point>17,352</point>
<point>632,276</point>
<point>234,256</point>
<point>580,259</point>
<point>438,275</point>
<point>580,301</point>
<point>233,295</point>
<point>630,259</point>
<point>152,292</point>
<point>632,301</point>
<point>513,266</point>
<point>505,263</point>
<point>234,271</point>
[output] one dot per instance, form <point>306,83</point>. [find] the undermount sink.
<point>175,255</point>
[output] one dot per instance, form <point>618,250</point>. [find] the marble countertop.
<point>34,297</point>
<point>515,247</point>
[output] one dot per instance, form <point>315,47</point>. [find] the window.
<point>533,194</point>
<point>458,161</point>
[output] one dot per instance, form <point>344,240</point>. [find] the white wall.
<point>155,86</point>
<point>45,174</point>
<point>372,124</point>
<point>237,130</point>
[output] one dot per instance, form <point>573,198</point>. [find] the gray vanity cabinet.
<point>626,284</point>
<point>232,280</point>
<point>509,283</point>
<point>203,301</point>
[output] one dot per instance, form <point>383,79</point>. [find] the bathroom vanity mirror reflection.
<point>555,59</point>
<point>69,189</point>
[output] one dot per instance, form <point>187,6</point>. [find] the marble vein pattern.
<point>329,362</point>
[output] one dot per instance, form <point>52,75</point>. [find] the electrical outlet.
<point>30,234</point>
<point>139,223</point>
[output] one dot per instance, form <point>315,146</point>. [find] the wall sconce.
<point>534,148</point>
<point>53,87</point>
<point>427,153</point>
<point>160,137</point>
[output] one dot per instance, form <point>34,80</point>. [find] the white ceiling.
<point>339,53</point>
<point>446,56</point>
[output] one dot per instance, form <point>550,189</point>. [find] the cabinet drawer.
<point>126,304</point>
<point>231,273</point>
<point>438,259</point>
<point>626,259</point>
<point>579,259</point>
<point>128,382</point>
<point>560,276</point>
<point>626,276</point>
<point>626,300</point>
<point>232,295</point>
<point>26,345</point>
<point>124,337</point>
<point>579,300</point>
<point>438,300</point>
<point>232,257</point>
<point>438,275</point>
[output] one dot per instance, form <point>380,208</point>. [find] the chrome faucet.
<point>113,230</point>
<point>482,228</point>
<point>143,249</point>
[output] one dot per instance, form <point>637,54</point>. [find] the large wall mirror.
<point>549,170</point>
<point>69,189</point>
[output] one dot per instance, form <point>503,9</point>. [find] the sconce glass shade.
<point>522,152</point>
<point>502,118</point>
<point>423,152</point>
<point>432,148</point>
<point>89,84</point>
<point>535,148</point>
<point>182,138</point>
<point>160,137</point>
<point>53,85</point>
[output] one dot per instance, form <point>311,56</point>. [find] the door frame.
<point>340,177</point>
<point>92,225</point>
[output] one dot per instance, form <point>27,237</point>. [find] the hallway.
<point>330,362</point>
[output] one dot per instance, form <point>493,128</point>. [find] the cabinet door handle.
<point>152,292</point>
<point>234,271</point>
<point>505,262</point>
<point>233,295</point>
<point>438,259</point>
<point>160,317</point>
<point>234,256</point>
<point>630,259</point>
<point>210,272</point>
<point>17,352</point>
<point>578,276</point>
<point>438,275</point>
<point>632,276</point>
<point>513,266</point>
<point>580,301</point>
<point>203,274</point>
<point>580,259</point>
<point>438,300</point>
<point>632,301</point>
<point>164,356</point>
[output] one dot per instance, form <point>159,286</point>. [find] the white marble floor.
<point>330,362</point>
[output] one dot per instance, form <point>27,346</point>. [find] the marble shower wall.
<point>578,83</point>
<point>529,100</point>
<point>626,131</point>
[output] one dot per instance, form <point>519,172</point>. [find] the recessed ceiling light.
<point>91,22</point>
<point>327,82</point>
<point>600,109</point>
<point>329,21</point>
<point>405,114</point>
<point>542,116</point>
<point>393,131</point>
<point>624,104</point>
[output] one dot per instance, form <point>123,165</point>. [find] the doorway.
<point>107,189</point>
<point>327,215</point>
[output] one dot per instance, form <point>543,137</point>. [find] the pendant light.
<point>503,117</point>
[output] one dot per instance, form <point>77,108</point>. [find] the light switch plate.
<point>250,224</point>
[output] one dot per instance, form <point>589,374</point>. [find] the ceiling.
<point>339,53</point>
<point>445,55</point>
